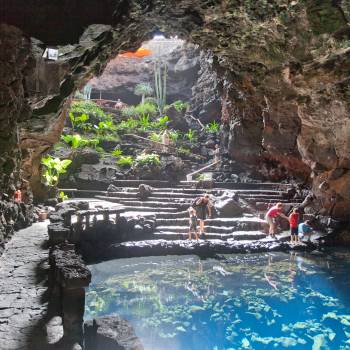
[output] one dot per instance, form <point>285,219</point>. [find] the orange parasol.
<point>139,53</point>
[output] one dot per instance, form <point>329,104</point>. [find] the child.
<point>305,230</point>
<point>293,223</point>
<point>193,223</point>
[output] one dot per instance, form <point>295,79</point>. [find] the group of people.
<point>298,230</point>
<point>202,207</point>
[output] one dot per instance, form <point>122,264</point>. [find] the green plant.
<point>143,90</point>
<point>160,79</point>
<point>191,135</point>
<point>87,107</point>
<point>104,127</point>
<point>128,111</point>
<point>78,120</point>
<point>155,137</point>
<point>180,106</point>
<point>54,167</point>
<point>148,159</point>
<point>77,141</point>
<point>125,161</point>
<point>144,122</point>
<point>117,153</point>
<point>185,151</point>
<point>63,196</point>
<point>145,109</point>
<point>162,123</point>
<point>99,149</point>
<point>129,124</point>
<point>174,135</point>
<point>212,127</point>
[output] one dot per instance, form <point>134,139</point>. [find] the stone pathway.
<point>23,277</point>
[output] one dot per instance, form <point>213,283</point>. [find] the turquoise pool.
<point>258,301</point>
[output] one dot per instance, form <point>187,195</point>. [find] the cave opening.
<point>116,124</point>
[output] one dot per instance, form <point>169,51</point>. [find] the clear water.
<point>260,301</point>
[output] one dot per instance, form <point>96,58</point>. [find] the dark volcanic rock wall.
<point>283,68</point>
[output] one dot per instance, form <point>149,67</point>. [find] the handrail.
<point>189,176</point>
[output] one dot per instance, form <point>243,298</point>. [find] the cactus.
<point>160,78</point>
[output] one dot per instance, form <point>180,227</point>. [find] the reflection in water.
<point>258,301</point>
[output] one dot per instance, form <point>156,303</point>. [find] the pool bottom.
<point>257,301</point>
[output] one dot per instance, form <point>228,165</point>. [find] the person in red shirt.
<point>293,223</point>
<point>271,216</point>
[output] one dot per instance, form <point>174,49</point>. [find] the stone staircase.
<point>169,204</point>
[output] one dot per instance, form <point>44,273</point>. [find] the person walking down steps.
<point>202,206</point>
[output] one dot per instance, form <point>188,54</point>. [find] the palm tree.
<point>143,90</point>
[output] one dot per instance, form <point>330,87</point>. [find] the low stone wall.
<point>13,216</point>
<point>69,276</point>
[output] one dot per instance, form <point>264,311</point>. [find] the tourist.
<point>271,216</point>
<point>165,140</point>
<point>202,205</point>
<point>216,155</point>
<point>293,223</point>
<point>193,224</point>
<point>18,195</point>
<point>305,230</point>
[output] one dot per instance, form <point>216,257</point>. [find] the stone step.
<point>154,204</point>
<point>271,200</point>
<point>210,228</point>
<point>243,185</point>
<point>262,195</point>
<point>164,210</point>
<point>238,235</point>
<point>253,223</point>
<point>153,183</point>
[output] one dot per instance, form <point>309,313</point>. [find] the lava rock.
<point>144,191</point>
<point>228,208</point>
<point>110,333</point>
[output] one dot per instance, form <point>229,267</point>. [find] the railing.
<point>189,176</point>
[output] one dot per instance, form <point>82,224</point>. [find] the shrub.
<point>174,135</point>
<point>76,141</point>
<point>129,111</point>
<point>148,159</point>
<point>104,127</point>
<point>144,122</point>
<point>63,196</point>
<point>162,123</point>
<point>54,167</point>
<point>117,153</point>
<point>212,127</point>
<point>191,135</point>
<point>78,120</point>
<point>125,161</point>
<point>155,137</point>
<point>128,125</point>
<point>87,107</point>
<point>146,109</point>
<point>180,106</point>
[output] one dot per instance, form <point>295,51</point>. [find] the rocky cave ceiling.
<point>283,69</point>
